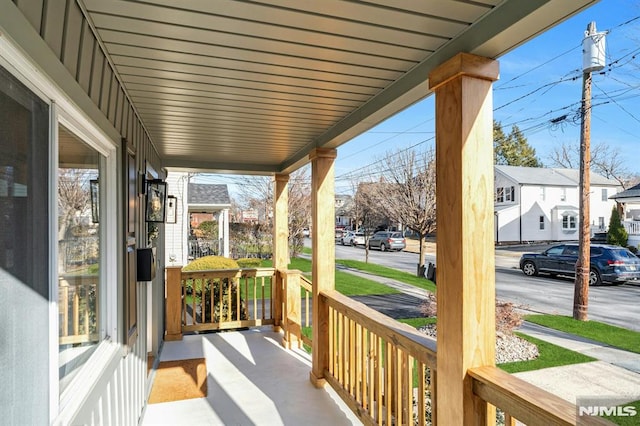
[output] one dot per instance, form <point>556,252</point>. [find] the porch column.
<point>465,248</point>
<point>280,240</point>
<point>323,261</point>
<point>225,233</point>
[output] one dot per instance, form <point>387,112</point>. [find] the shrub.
<point>617,235</point>
<point>249,262</point>
<point>506,317</point>
<point>211,262</point>
<point>221,290</point>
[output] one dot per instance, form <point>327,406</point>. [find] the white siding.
<point>177,233</point>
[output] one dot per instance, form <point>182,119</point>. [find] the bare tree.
<point>73,199</point>
<point>408,193</point>
<point>367,214</point>
<point>257,192</point>
<point>605,160</point>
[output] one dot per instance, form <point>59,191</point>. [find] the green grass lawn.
<point>611,335</point>
<point>391,273</point>
<point>418,322</point>
<point>549,356</point>
<point>347,284</point>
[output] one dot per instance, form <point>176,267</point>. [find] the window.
<point>510,194</point>
<point>543,193</point>
<point>568,222</point>
<point>563,194</point>
<point>499,195</point>
<point>601,222</point>
<point>541,222</point>
<point>605,196</point>
<point>79,253</point>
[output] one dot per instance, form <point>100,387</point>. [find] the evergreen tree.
<point>616,235</point>
<point>513,149</point>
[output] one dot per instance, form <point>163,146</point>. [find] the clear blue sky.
<point>539,81</point>
<point>550,67</point>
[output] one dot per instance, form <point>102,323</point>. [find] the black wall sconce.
<point>95,200</point>
<point>172,209</point>
<point>156,191</point>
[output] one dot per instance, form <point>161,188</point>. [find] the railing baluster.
<point>422,373</point>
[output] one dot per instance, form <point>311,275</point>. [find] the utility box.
<point>146,264</point>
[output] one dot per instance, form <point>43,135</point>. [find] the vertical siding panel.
<point>107,75</point>
<point>85,59</point>
<point>117,122</point>
<point>97,67</point>
<point>72,37</point>
<point>113,100</point>
<point>52,25</point>
<point>32,10</point>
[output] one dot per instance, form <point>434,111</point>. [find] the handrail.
<point>380,366</point>
<point>524,401</point>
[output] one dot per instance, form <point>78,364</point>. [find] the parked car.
<point>353,239</point>
<point>306,232</point>
<point>387,240</point>
<point>608,263</point>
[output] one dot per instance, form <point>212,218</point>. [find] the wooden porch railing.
<point>297,308</point>
<point>218,299</point>
<point>384,370</point>
<point>78,304</point>
<point>523,401</point>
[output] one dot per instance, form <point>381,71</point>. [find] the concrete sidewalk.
<point>616,373</point>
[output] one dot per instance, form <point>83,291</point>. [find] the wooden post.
<point>323,261</point>
<point>292,309</point>
<point>280,241</point>
<point>173,303</point>
<point>465,246</point>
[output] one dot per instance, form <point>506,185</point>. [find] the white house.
<point>629,206</point>
<point>194,198</point>
<point>542,204</point>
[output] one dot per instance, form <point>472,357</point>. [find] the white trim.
<point>54,336</point>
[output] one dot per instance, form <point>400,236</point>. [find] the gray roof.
<point>633,192</point>
<point>550,176</point>
<point>208,194</point>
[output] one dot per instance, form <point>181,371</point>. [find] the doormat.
<point>178,380</point>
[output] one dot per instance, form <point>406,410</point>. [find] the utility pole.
<point>593,60</point>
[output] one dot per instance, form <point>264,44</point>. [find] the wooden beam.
<point>173,303</point>
<point>280,240</point>
<point>323,261</point>
<point>465,247</point>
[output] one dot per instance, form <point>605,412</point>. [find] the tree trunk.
<point>422,268</point>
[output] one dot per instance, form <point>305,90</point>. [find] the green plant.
<point>617,235</point>
<point>222,292</point>
<point>211,262</point>
<point>249,262</point>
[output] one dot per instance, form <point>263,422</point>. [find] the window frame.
<point>569,222</point>
<point>63,112</point>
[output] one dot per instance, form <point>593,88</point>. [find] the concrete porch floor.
<point>251,380</point>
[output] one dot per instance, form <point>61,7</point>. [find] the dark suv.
<point>608,263</point>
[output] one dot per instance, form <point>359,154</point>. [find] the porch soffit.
<point>253,87</point>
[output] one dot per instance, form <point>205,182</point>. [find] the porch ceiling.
<point>254,86</point>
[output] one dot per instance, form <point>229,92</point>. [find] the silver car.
<point>353,239</point>
<point>387,240</point>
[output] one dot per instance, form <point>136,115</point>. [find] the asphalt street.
<point>612,304</point>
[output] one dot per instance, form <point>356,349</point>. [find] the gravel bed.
<point>509,347</point>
